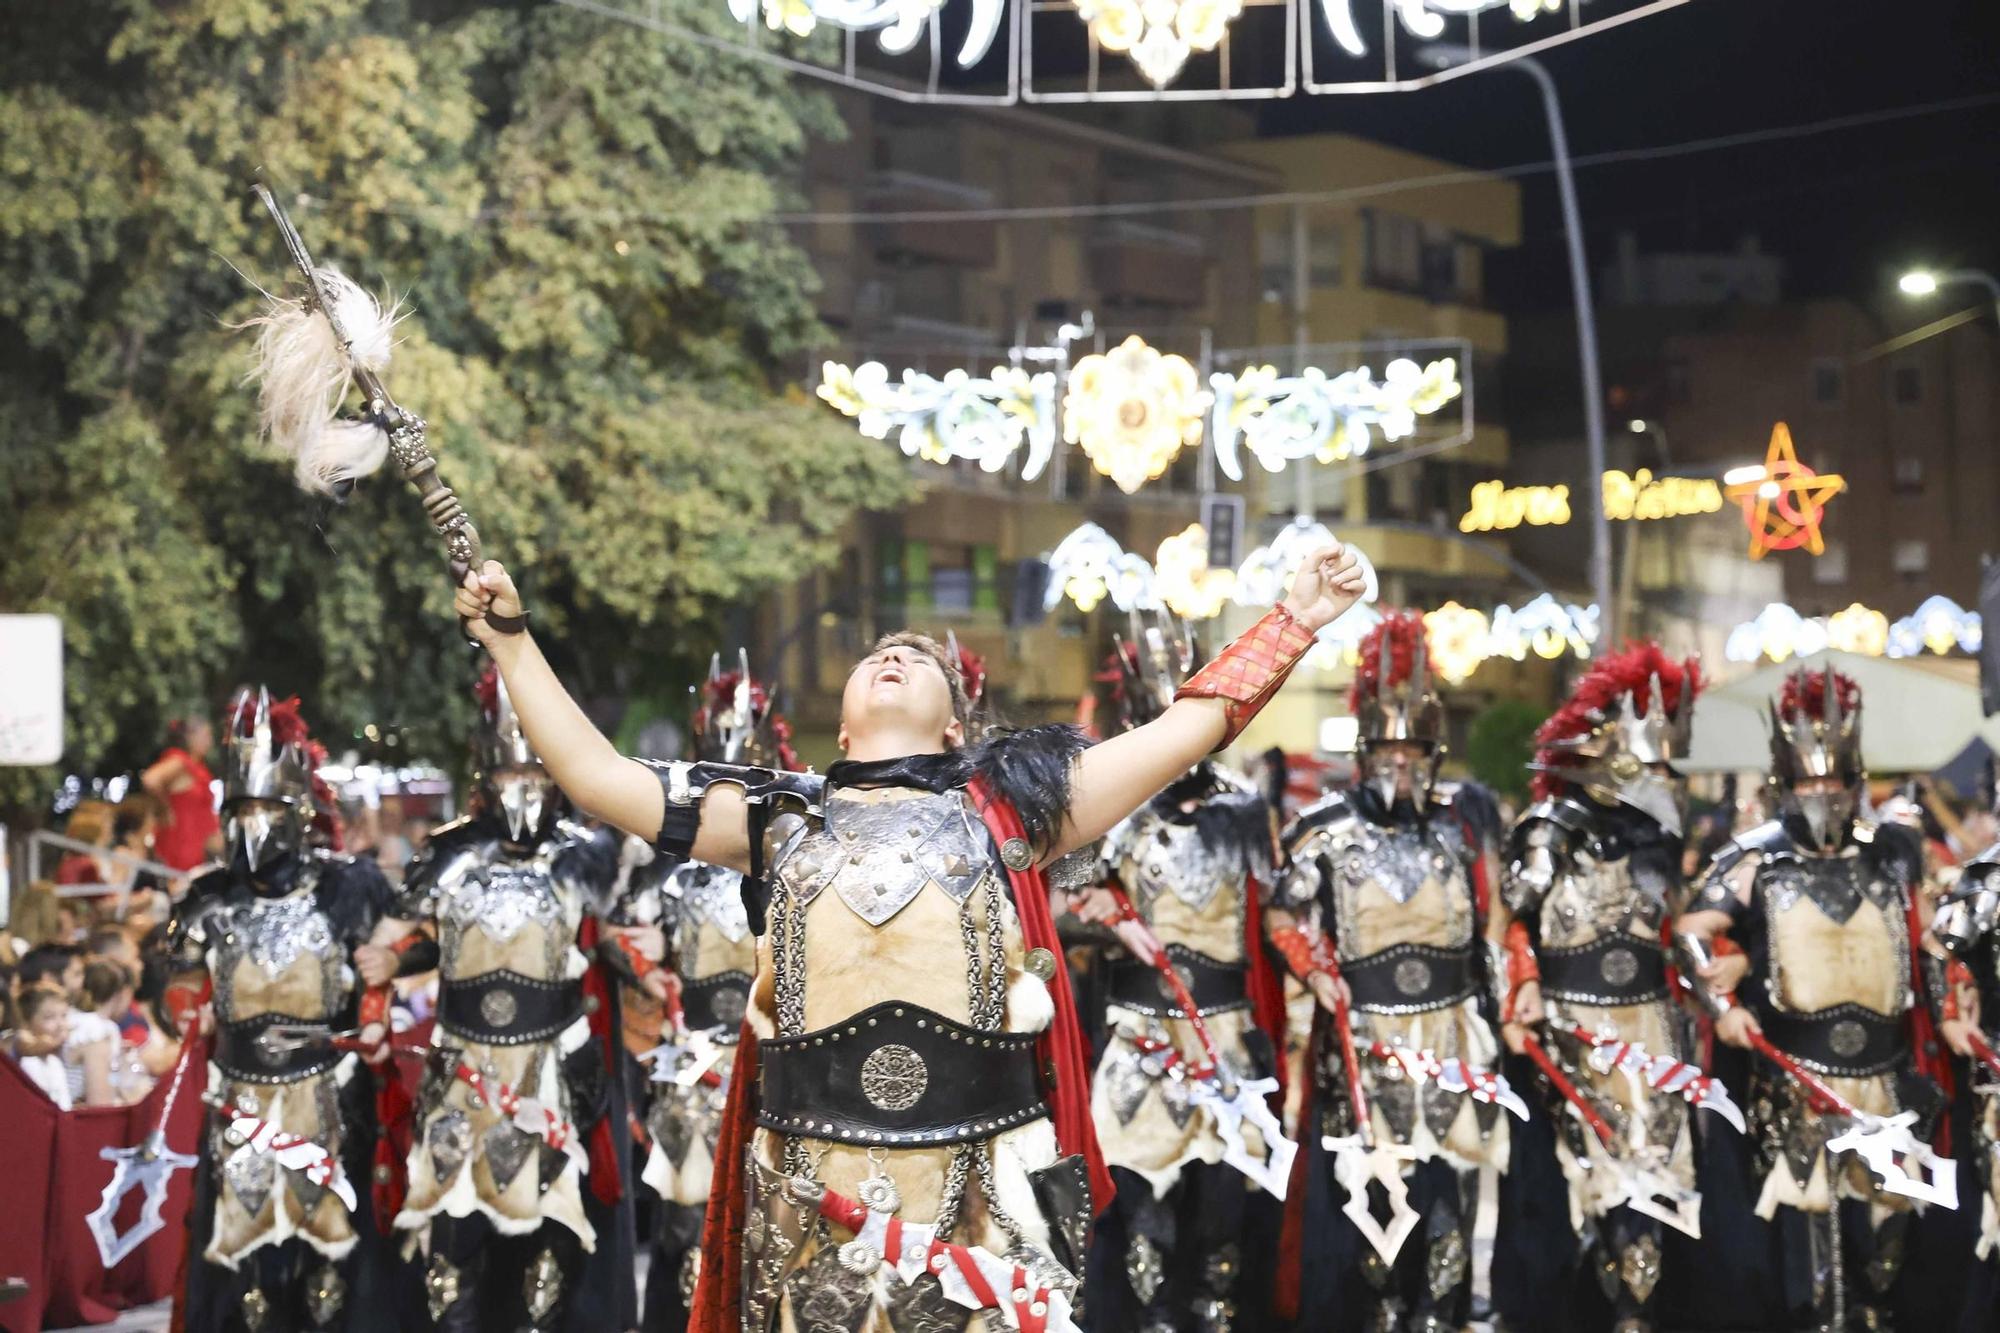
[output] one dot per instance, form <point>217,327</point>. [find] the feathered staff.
<point>310,350</point>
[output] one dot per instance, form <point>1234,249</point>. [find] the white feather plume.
<point>304,377</point>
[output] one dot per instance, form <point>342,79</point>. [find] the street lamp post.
<point>1922,282</point>
<point>1628,568</point>
<point>1443,56</point>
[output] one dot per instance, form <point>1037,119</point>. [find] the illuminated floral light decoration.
<point>897,23</point>
<point>1423,19</point>
<point>1088,565</point>
<point>1543,626</point>
<point>1281,419</point>
<point>1780,633</point>
<point>984,420</point>
<point>1184,580</point>
<point>1132,409</point>
<point>1159,35</point>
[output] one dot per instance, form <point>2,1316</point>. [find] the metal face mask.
<point>527,799</point>
<point>1827,815</point>
<point>260,833</point>
<point>1383,774</point>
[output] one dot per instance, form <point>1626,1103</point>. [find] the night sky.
<point>1848,208</point>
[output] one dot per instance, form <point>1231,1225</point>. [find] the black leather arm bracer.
<point>685,782</point>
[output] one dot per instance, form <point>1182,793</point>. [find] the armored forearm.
<point>1692,953</point>
<point>1249,671</point>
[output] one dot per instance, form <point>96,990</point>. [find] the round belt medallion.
<point>1412,976</point>
<point>1618,966</point>
<point>728,1006</point>
<point>893,1077</point>
<point>499,1008</point>
<point>1848,1039</point>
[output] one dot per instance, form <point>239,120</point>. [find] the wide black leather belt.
<point>242,1057</point>
<point>1409,978</point>
<point>1619,969</point>
<point>715,1002</point>
<point>1214,985</point>
<point>899,1075</point>
<point>502,1008</point>
<point>1850,1040</point>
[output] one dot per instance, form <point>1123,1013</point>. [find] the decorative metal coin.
<point>893,1077</point>
<point>499,1008</point>
<point>728,1006</point>
<point>1847,1039</point>
<point>1015,854</point>
<point>1412,976</point>
<point>1041,964</point>
<point>1618,966</point>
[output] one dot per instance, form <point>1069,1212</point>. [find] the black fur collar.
<point>1030,768</point>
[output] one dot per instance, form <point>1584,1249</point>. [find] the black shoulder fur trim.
<point>1032,768</point>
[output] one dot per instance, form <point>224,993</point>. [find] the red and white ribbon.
<point>969,1275</point>
<point>529,1115</point>
<point>292,1152</point>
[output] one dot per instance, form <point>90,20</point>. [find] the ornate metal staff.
<point>304,375</point>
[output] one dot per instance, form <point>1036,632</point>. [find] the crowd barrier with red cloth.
<point>53,1178</point>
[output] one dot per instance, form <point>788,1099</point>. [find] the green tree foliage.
<point>576,215</point>
<point>1500,743</point>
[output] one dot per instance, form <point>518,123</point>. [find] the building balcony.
<point>938,238</point>
<point>1132,262</point>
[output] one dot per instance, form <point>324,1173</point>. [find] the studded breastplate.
<point>1158,859</point>
<point>504,913</point>
<point>1398,884</point>
<point>277,956</point>
<point>878,855</point>
<point>705,900</point>
<point>1837,933</point>
<point>1592,900</point>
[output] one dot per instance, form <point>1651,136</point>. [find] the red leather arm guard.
<point>1957,976</point>
<point>1522,966</point>
<point>1305,952</point>
<point>1249,671</point>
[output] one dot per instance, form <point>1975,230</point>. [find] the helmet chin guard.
<point>508,770</point>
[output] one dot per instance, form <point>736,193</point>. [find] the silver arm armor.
<point>1529,877</point>
<point>1692,953</point>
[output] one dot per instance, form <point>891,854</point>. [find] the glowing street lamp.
<point>1923,282</point>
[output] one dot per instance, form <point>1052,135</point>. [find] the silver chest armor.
<point>1835,887</point>
<point>701,894</point>
<point>878,855</point>
<point>271,934</point>
<point>1157,855</point>
<point>477,891</point>
<point>1397,861</point>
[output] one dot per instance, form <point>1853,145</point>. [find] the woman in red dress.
<point>181,779</point>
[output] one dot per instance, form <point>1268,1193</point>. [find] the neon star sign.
<point>1784,500</point>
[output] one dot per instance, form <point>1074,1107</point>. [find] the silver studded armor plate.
<point>878,855</point>
<point>712,895</point>
<point>1154,855</point>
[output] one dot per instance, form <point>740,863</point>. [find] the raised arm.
<point>1118,776</point>
<point>597,779</point>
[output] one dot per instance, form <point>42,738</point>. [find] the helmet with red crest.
<point>736,721</point>
<point>1399,719</point>
<point>1626,720</point>
<point>1816,771</point>
<point>266,778</point>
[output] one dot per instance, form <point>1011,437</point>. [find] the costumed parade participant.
<point>907,1143</point>
<point>1187,1245</point>
<point>1967,929</point>
<point>1404,1102</point>
<point>713,955</point>
<point>1592,882</point>
<point>284,1234</point>
<point>513,1166</point>
<point>1827,906</point>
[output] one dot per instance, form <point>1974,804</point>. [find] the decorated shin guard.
<point>1249,671</point>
